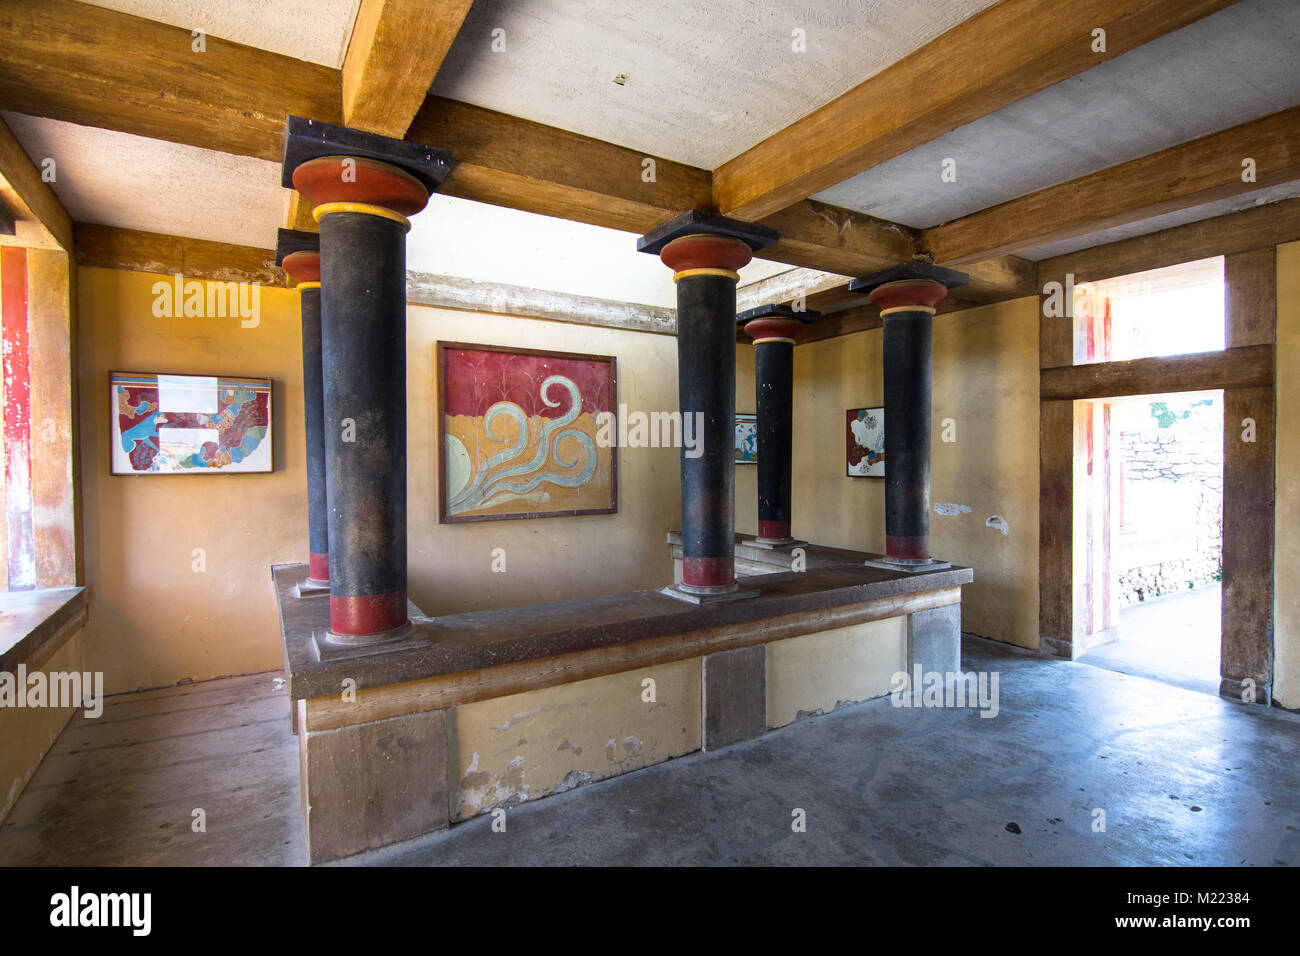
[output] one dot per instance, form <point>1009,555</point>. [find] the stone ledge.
<point>35,624</point>
<point>815,555</point>
<point>483,640</point>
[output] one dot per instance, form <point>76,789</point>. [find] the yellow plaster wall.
<point>816,672</point>
<point>546,559</point>
<point>524,746</point>
<point>986,380</point>
<point>1286,622</point>
<point>153,619</point>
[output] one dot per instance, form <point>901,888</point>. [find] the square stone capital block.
<point>306,139</point>
<point>948,278</point>
<point>774,311</point>
<point>289,241</point>
<point>696,222</point>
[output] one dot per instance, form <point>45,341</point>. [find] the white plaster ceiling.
<point>117,179</point>
<point>316,31</point>
<point>705,81</point>
<point>133,182</point>
<point>1226,69</point>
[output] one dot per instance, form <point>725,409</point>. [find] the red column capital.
<point>908,294</point>
<point>302,266</point>
<point>704,254</point>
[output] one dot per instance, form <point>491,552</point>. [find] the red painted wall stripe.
<point>17,419</point>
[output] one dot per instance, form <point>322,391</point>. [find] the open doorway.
<point>1165,563</point>
<point>1149,483</point>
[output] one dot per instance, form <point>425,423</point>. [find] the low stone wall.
<point>1157,580</point>
<point>1189,452</point>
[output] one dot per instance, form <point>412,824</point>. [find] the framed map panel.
<point>189,424</point>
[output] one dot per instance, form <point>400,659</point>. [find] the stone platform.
<point>493,708</point>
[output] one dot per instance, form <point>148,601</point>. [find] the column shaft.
<point>774,407</point>
<point>706,382</point>
<point>363,330</point>
<point>907,347</point>
<point>907,295</point>
<point>314,421</point>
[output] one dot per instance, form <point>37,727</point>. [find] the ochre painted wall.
<point>986,380</point>
<point>546,559</point>
<point>155,621</point>
<point>1286,618</point>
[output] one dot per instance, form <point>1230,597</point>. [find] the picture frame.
<point>746,438</point>
<point>493,469</point>
<point>864,437</point>
<point>170,424</point>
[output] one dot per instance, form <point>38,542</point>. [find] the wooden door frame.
<point>1245,373</point>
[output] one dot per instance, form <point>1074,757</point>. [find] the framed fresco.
<point>746,439</point>
<point>189,424</point>
<point>519,433</point>
<point>865,442</point>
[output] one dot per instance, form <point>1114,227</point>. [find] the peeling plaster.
<point>998,522</point>
<point>944,508</point>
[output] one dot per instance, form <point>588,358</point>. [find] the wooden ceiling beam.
<point>107,247</point>
<point>999,56</point>
<point>96,67</point>
<point>1194,173</point>
<point>39,218</point>
<point>395,51</point>
<point>84,64</point>
<point>1256,228</point>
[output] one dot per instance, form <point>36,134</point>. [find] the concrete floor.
<point>1183,778</point>
<point>1174,639</point>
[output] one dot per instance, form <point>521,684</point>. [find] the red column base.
<point>907,548</point>
<point>318,569</point>
<point>367,615</point>
<point>774,530</point>
<point>708,572</point>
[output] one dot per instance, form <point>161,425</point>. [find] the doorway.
<point>1164,564</point>
<point>1148,482</point>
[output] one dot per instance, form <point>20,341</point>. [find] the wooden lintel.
<point>1246,367</point>
<point>111,248</point>
<point>1257,228</point>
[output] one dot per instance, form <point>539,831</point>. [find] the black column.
<point>705,250</point>
<point>298,253</point>
<point>774,329</point>
<point>362,187</point>
<point>906,296</point>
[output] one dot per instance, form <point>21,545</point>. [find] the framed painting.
<point>746,439</point>
<point>189,424</point>
<point>520,433</point>
<point>865,442</point>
